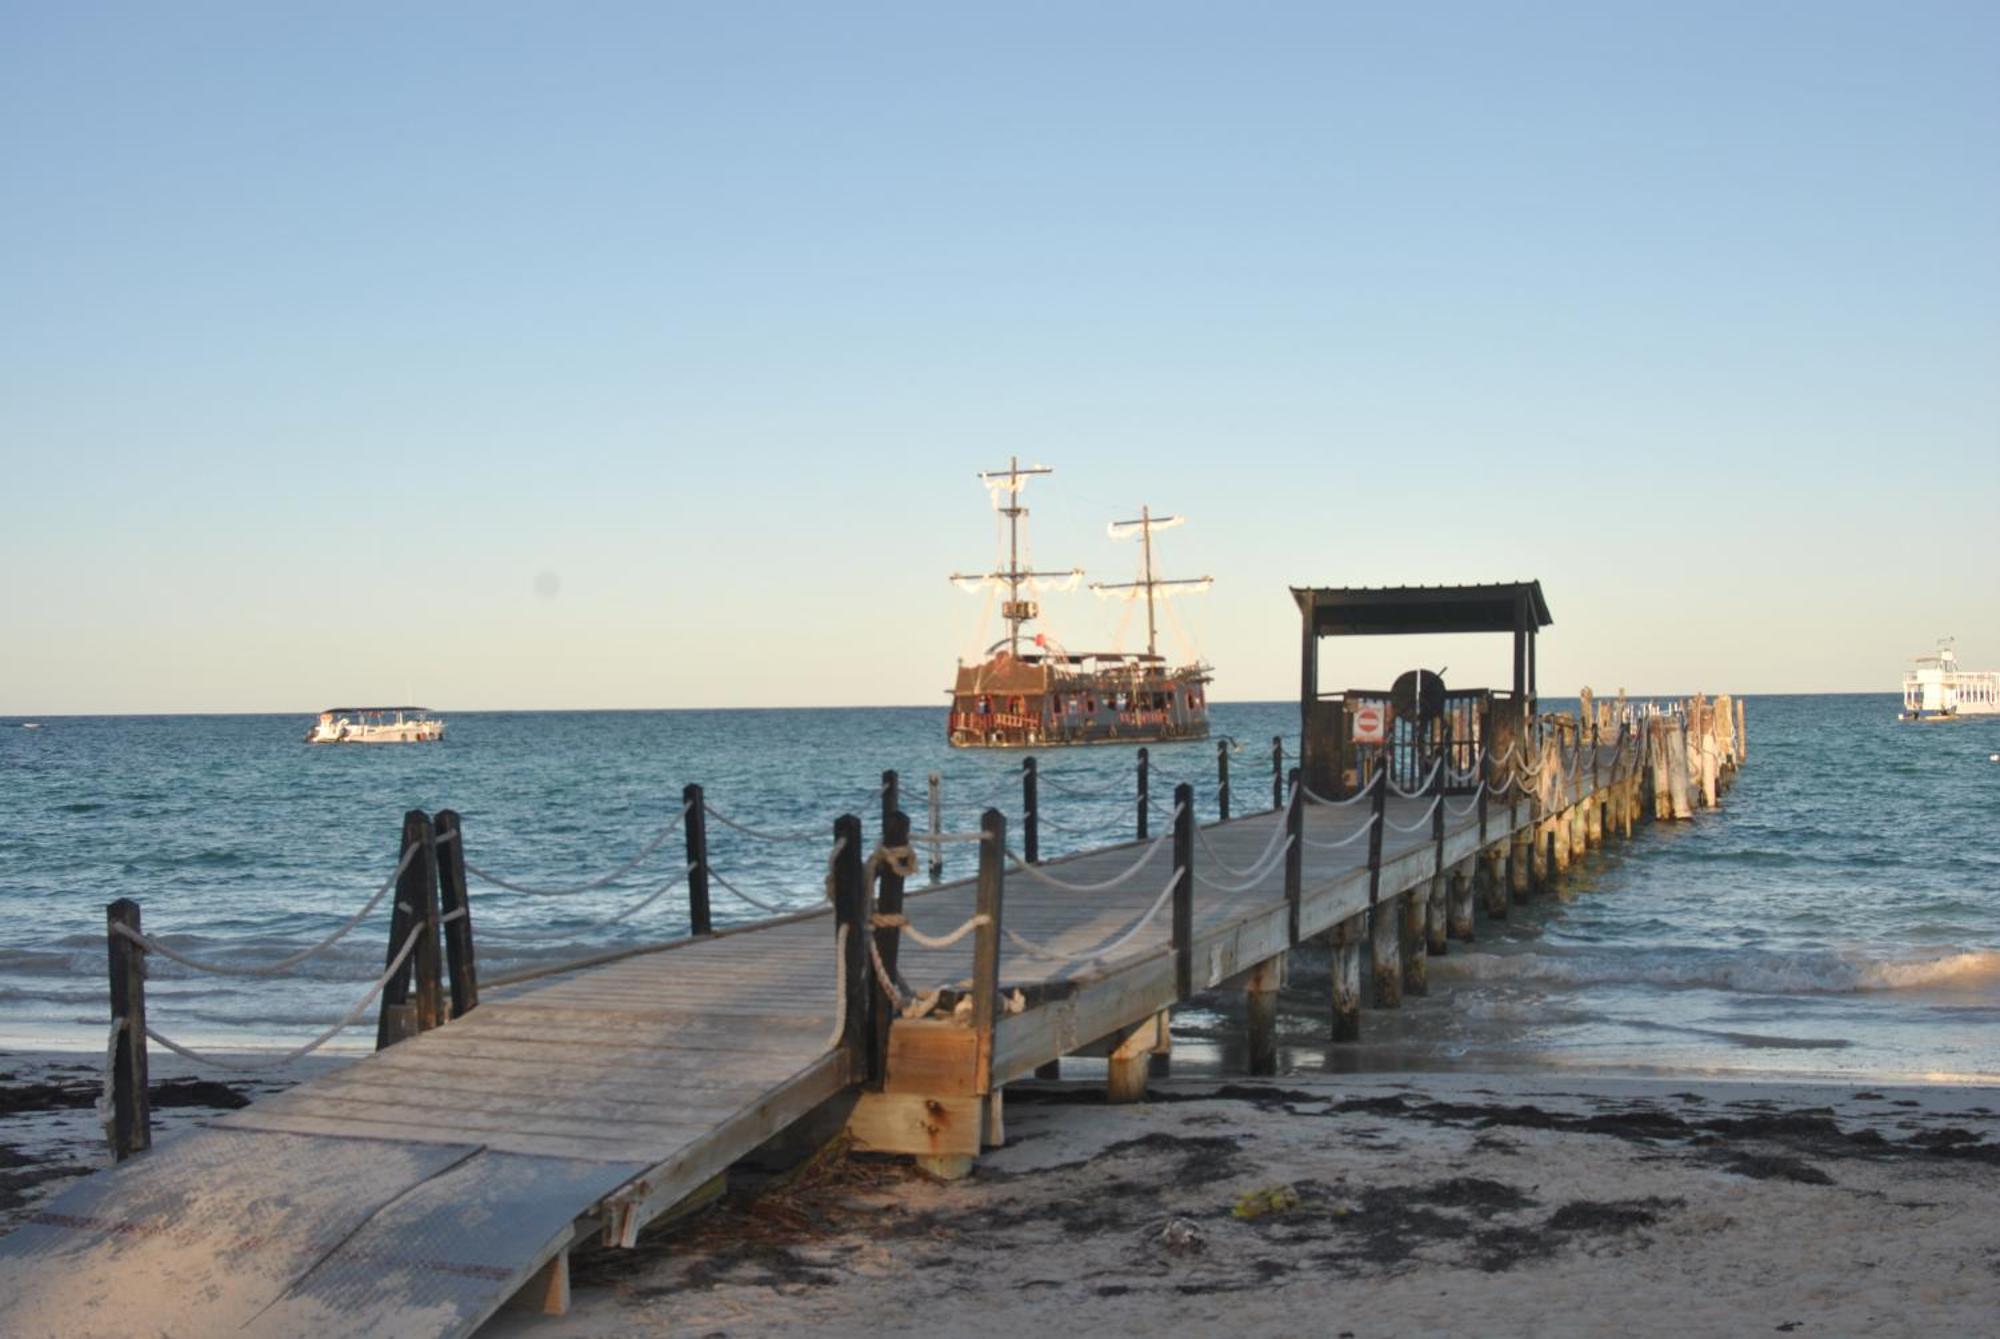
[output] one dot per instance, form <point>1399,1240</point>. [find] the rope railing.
<point>740,895</point>
<point>1421,823</point>
<point>297,1052</point>
<point>280,966</point>
<point>1041,876</point>
<point>1348,840</point>
<point>1061,787</point>
<point>1421,788</point>
<point>1277,831</point>
<point>1359,795</point>
<point>884,921</point>
<point>659,839</point>
<point>1251,877</point>
<point>759,834</point>
<point>1103,950</point>
<point>492,932</point>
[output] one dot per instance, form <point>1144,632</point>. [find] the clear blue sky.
<point>332,338</point>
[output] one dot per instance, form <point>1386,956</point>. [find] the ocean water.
<point>1839,916</point>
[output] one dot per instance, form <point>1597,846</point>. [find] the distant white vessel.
<point>1938,690</point>
<point>376,725</point>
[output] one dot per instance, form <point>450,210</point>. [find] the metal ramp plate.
<point>230,1231</point>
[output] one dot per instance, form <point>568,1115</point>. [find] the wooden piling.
<point>397,1017</point>
<point>1260,1015</point>
<point>1437,915</point>
<point>1145,793</point>
<point>1385,938</point>
<point>1493,889</point>
<point>694,827</point>
<point>851,930</point>
<point>892,796</point>
<point>1222,779</point>
<point>1278,774</point>
<point>935,785</point>
<point>1520,864</point>
<point>1459,916</point>
<point>455,901</point>
<point>419,887</point>
<point>889,888</point>
<point>1130,1060</point>
<point>1183,940</point>
<point>1346,972</point>
<point>986,940</point>
<point>1031,818</point>
<point>1295,851</point>
<point>131,1107</point>
<point>1415,937</point>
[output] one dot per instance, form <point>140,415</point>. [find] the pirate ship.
<point>1032,692</point>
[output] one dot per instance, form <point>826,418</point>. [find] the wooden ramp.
<point>417,1190</point>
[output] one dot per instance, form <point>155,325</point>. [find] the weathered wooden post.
<point>1031,814</point>
<point>851,929</point>
<point>415,911</point>
<point>131,1107</point>
<point>1437,916</point>
<point>422,877</point>
<point>1260,1015</point>
<point>1277,771</point>
<point>892,796</point>
<point>455,901</point>
<point>1184,889</point>
<point>1145,794</point>
<point>1346,944</point>
<point>1295,851</point>
<point>1385,940</point>
<point>1494,890</point>
<point>694,826</point>
<point>1459,915</point>
<point>888,943</point>
<point>1222,779</point>
<point>937,826</point>
<point>986,939</point>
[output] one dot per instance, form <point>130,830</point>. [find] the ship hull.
<point>1009,703</point>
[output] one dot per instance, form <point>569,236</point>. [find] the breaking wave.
<point>1814,972</point>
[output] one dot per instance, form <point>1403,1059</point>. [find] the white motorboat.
<point>376,725</point>
<point>1938,690</point>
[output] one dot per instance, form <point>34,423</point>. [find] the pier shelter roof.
<point>1349,611</point>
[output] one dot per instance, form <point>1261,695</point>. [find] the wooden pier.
<point>419,1189</point>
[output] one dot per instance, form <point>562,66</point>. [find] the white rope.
<point>1355,798</point>
<point>490,933</point>
<point>1277,831</point>
<point>891,921</point>
<point>282,965</point>
<point>625,868</point>
<point>946,838</point>
<point>1036,873</point>
<point>299,1052</point>
<point>1252,877</point>
<point>1043,820</point>
<point>1421,823</point>
<point>1078,792</point>
<point>839,985</point>
<point>1420,787</point>
<point>1106,950</point>
<point>1348,840</point>
<point>731,888</point>
<point>760,835</point>
<point>882,976</point>
<point>1471,803</point>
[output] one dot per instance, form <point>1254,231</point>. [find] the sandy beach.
<point>1363,1206</point>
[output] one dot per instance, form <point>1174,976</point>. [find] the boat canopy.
<point>362,711</point>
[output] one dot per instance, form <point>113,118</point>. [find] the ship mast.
<point>1151,585</point>
<point>1014,609</point>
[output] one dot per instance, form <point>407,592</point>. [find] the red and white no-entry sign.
<point>1371,723</point>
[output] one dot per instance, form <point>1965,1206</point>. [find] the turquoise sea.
<point>1839,916</point>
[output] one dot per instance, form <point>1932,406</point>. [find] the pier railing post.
<point>1383,931</point>
<point>1145,793</point>
<point>1183,937</point>
<point>1031,812</point>
<point>936,785</point>
<point>131,1110</point>
<point>421,879</point>
<point>1222,779</point>
<point>888,944</point>
<point>415,906</point>
<point>850,913</point>
<point>694,824</point>
<point>986,940</point>
<point>892,796</point>
<point>460,959</point>
<point>1278,771</point>
<point>1295,828</point>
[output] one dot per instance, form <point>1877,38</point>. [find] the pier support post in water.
<point>1387,944</point>
<point>1416,940</point>
<point>1493,880</point>
<point>694,826</point>
<point>460,959</point>
<point>1126,1067</point>
<point>1458,914</point>
<point>1437,916</point>
<point>1345,939</point>
<point>131,1129</point>
<point>1593,821</point>
<point>1260,1015</point>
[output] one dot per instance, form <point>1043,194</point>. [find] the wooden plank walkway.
<point>661,1070</point>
